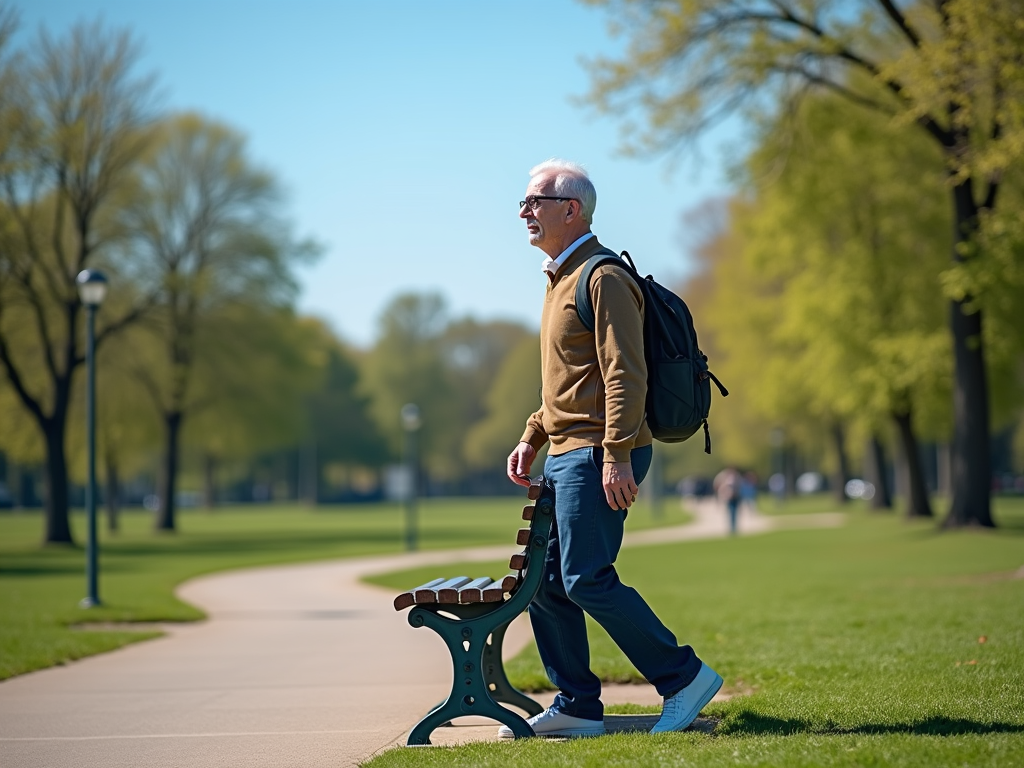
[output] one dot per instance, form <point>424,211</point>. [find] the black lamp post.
<point>411,424</point>
<point>92,289</point>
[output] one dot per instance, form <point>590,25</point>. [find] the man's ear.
<point>569,212</point>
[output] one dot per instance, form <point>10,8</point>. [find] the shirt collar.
<point>551,266</point>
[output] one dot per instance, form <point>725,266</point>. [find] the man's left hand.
<point>619,488</point>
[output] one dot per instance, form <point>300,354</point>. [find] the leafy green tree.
<point>407,365</point>
<point>473,352</point>
<point>201,224</point>
<point>254,368</point>
<point>856,243</point>
<point>813,296</point>
<point>74,118</point>
<point>341,428</point>
<point>950,67</point>
<point>445,367</point>
<point>514,394</point>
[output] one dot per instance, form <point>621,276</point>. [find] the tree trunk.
<point>971,461</point>
<point>169,480</point>
<point>944,466</point>
<point>311,473</point>
<point>209,481</point>
<point>842,471</point>
<point>112,493</point>
<point>876,475</point>
<point>917,492</point>
<point>58,525</point>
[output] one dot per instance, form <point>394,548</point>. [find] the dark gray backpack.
<point>678,379</point>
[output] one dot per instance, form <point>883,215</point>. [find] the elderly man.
<point>592,412</point>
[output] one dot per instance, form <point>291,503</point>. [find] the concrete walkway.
<point>298,665</point>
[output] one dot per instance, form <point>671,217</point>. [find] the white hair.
<point>571,180</point>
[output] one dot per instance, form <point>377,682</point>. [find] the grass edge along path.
<point>40,586</point>
<point>881,643</point>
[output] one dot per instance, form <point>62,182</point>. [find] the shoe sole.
<point>709,694</point>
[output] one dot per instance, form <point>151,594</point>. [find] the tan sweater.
<point>594,384</point>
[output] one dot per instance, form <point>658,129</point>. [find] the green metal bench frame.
<point>474,634</point>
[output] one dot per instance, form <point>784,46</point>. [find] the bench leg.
<point>496,680</point>
<point>470,694</point>
<point>435,718</point>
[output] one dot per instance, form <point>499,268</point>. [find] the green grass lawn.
<point>40,586</point>
<point>804,505</point>
<point>880,643</point>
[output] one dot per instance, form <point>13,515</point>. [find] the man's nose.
<point>525,212</point>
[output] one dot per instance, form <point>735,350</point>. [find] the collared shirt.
<point>551,266</point>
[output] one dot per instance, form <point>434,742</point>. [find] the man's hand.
<point>619,488</point>
<point>519,463</point>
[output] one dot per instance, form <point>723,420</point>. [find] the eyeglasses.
<point>534,201</point>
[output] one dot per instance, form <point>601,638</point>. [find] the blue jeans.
<point>579,575</point>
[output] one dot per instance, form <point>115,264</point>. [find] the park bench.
<point>471,616</point>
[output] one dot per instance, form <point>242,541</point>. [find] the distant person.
<point>728,483</point>
<point>748,491</point>
<point>594,384</point>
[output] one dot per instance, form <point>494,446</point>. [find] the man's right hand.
<point>519,463</point>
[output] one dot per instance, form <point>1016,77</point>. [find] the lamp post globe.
<point>92,290</point>
<point>92,287</point>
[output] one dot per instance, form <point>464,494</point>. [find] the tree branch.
<point>151,388</point>
<point>19,386</point>
<point>850,95</point>
<point>136,313</point>
<point>901,21</point>
<point>787,17</point>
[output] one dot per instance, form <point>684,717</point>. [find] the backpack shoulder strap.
<point>584,306</point>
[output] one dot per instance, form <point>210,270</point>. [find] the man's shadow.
<point>749,723</point>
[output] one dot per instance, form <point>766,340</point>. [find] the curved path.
<point>298,665</point>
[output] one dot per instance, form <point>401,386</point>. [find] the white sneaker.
<point>551,722</point>
<point>682,709</point>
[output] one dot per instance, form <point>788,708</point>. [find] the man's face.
<point>547,224</point>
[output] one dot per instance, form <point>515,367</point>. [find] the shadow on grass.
<point>235,546</point>
<point>39,569</point>
<point>749,723</point>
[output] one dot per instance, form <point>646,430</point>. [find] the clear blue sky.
<point>403,132</point>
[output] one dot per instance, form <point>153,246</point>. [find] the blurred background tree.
<point>513,395</point>
<point>201,227</point>
<point>446,367</point>
<point>951,68</point>
<point>74,117</point>
<point>848,245</point>
<point>821,289</point>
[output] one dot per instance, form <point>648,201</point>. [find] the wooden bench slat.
<point>462,589</point>
<point>407,599</point>
<point>427,593</point>
<point>448,592</point>
<point>471,592</point>
<point>518,561</point>
<point>496,592</point>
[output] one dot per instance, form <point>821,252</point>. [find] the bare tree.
<point>203,227</point>
<point>74,119</point>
